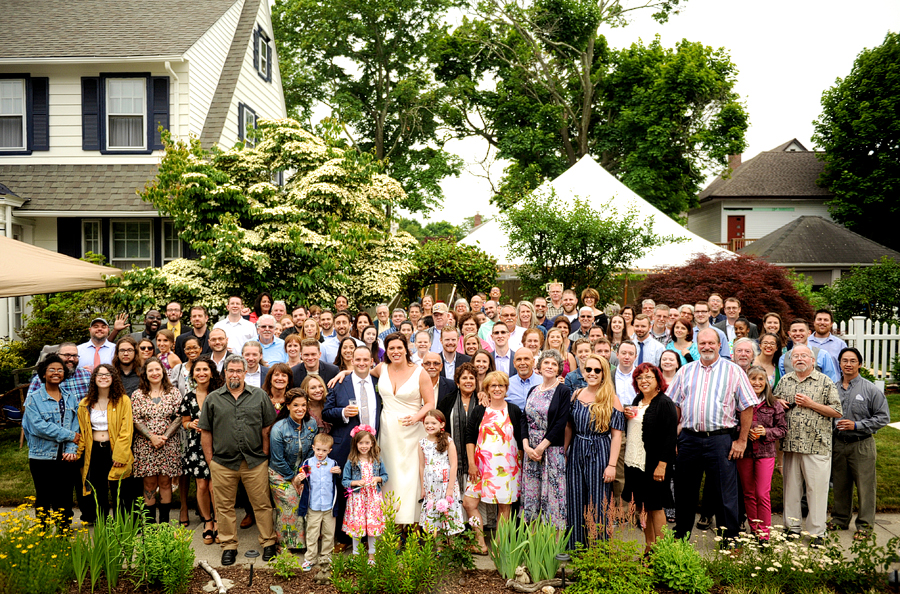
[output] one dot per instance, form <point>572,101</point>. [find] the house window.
<point>262,54</point>
<point>171,242</point>
<point>126,108</point>
<point>12,114</point>
<point>132,244</point>
<point>90,237</point>
<point>246,123</point>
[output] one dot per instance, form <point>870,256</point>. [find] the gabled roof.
<point>80,188</point>
<point>4,191</point>
<point>105,28</point>
<point>778,173</point>
<point>815,240</point>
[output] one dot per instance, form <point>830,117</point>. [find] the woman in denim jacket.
<point>289,444</point>
<point>51,428</point>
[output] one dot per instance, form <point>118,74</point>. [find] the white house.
<point>758,196</point>
<point>84,88</point>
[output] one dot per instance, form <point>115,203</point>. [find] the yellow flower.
<point>2,555</point>
<point>53,557</point>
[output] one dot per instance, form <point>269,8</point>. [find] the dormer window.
<point>262,54</point>
<point>12,114</point>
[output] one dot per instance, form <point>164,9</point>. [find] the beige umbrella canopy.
<point>30,270</point>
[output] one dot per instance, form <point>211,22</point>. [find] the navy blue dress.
<point>588,458</point>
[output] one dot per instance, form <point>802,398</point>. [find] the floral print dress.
<point>192,457</point>
<point>544,482</point>
<point>439,514</point>
<point>364,515</point>
<point>290,526</point>
<point>156,416</point>
<point>497,459</point>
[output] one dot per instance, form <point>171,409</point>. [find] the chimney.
<point>476,220</point>
<point>734,161</point>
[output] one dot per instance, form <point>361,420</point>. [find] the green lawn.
<point>15,478</point>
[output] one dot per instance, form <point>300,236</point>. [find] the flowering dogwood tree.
<point>322,233</point>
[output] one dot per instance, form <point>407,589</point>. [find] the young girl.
<point>441,509</point>
<point>755,468</point>
<point>362,478</point>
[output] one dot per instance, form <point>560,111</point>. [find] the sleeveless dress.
<point>437,475</point>
<point>497,458</point>
<point>543,483</point>
<point>400,445</point>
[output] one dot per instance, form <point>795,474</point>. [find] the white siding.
<point>265,98</point>
<point>761,219</point>
<point>45,233</point>
<point>65,110</point>
<point>207,57</point>
<point>704,222</point>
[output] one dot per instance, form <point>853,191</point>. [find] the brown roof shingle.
<point>815,240</point>
<point>771,174</point>
<point>79,188</point>
<point>105,28</point>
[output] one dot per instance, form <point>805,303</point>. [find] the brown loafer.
<point>248,521</point>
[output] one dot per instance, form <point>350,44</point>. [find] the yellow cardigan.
<point>121,428</point>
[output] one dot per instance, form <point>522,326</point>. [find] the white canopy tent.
<point>588,181</point>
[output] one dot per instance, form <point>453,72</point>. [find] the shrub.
<point>34,557</point>
<point>10,359</point>
<point>285,564</point>
<point>678,565</point>
<point>761,287</point>
<point>871,291</point>
<point>612,566</point>
<point>164,557</point>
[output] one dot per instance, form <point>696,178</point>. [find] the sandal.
<point>209,536</point>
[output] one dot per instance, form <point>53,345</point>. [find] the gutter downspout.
<point>177,111</point>
<point>10,301</point>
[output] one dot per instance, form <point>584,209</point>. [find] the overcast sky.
<point>787,52</point>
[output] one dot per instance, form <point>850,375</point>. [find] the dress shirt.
<point>449,366</point>
<point>484,332</point>
<point>662,339</point>
<point>711,396</point>
<point>175,328</point>
<point>274,352</point>
<point>729,331</point>
<point>831,344</point>
<point>77,383</point>
<point>501,362</point>
<point>653,350</point>
<point>519,388</point>
<point>864,404</point>
<point>254,378</point>
<point>436,346</point>
<point>321,484</point>
<point>86,353</point>
<point>724,349</point>
<point>553,311</point>
<point>237,424</point>
<point>515,338</point>
<point>809,431</point>
<point>237,332</point>
<point>625,387</point>
<point>330,348</point>
<point>363,388</point>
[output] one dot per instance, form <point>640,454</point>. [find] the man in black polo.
<point>236,421</point>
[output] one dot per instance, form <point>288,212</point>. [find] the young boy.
<point>322,493</point>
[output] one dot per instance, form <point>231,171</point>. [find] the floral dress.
<point>150,461</point>
<point>364,515</point>
<point>290,526</point>
<point>192,457</point>
<point>439,514</point>
<point>544,482</point>
<point>497,459</point>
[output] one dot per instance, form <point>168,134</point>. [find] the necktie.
<point>641,354</point>
<point>363,403</point>
<point>96,356</point>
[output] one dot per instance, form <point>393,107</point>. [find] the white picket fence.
<point>878,342</point>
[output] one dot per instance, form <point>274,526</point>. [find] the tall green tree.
<point>859,132</point>
<point>367,61</point>
<point>657,118</point>
<point>574,244</point>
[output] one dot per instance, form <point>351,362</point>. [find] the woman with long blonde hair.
<point>597,421</point>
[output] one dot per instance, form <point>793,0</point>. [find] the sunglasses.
<point>593,369</point>
<point>146,348</point>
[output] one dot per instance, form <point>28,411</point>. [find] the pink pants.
<point>756,480</point>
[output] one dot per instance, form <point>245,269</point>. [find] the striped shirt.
<point>711,396</point>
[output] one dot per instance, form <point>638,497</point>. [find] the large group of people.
<point>311,419</point>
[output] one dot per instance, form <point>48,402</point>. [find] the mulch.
<point>471,582</point>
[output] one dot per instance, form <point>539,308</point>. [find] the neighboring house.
<point>85,87</point>
<point>759,196</point>
<point>818,248</point>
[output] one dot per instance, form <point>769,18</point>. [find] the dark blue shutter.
<point>269,62</point>
<point>90,113</point>
<point>159,105</point>
<point>256,50</point>
<point>40,114</point>
<point>241,121</point>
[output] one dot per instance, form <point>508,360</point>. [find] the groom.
<point>359,386</point>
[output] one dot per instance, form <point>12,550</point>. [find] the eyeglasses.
<point>431,363</point>
<point>55,371</point>
<point>104,375</point>
<point>126,351</point>
<point>75,356</point>
<point>266,326</point>
<point>152,317</point>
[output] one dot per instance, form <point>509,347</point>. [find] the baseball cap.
<point>439,308</point>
